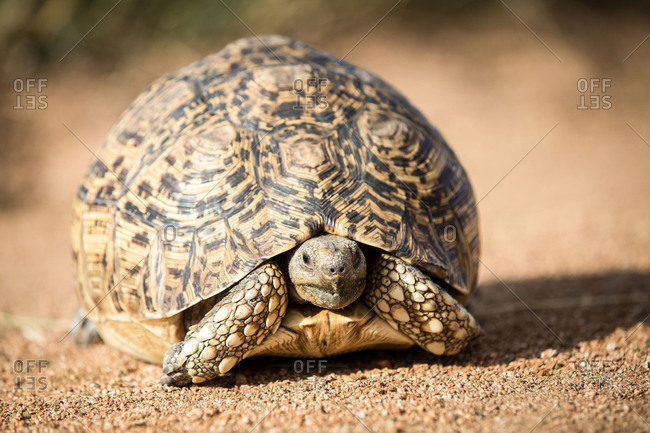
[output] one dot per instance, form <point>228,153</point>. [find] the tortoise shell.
<point>245,154</point>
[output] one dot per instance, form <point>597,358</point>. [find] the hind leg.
<point>82,330</point>
<point>413,303</point>
<point>248,313</point>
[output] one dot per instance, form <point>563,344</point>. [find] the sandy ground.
<point>564,294</point>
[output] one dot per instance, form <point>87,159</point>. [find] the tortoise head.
<point>329,271</point>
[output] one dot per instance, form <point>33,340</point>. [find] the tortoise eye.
<point>306,259</point>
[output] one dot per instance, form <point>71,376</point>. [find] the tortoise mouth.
<point>324,298</point>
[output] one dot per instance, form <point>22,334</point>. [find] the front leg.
<point>250,311</point>
<point>413,303</point>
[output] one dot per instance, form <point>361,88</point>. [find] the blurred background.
<point>545,102</point>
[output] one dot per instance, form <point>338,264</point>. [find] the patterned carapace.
<point>245,154</point>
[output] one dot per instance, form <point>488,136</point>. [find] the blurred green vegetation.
<point>38,33</point>
<point>34,33</point>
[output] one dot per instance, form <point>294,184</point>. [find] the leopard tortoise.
<point>270,199</point>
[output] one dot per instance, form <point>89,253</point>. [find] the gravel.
<point>565,368</point>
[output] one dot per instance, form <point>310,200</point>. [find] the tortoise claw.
<point>179,378</point>
<point>174,374</point>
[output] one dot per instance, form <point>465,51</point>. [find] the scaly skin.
<point>413,303</point>
<point>402,295</point>
<point>250,311</point>
<point>328,271</point>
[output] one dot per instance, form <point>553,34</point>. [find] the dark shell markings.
<point>244,155</point>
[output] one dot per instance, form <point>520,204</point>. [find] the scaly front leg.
<point>250,311</point>
<point>413,303</point>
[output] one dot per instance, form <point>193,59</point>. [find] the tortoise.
<point>271,199</point>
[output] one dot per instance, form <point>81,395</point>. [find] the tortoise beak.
<point>334,297</point>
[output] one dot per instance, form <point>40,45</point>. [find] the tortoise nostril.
<point>339,271</point>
